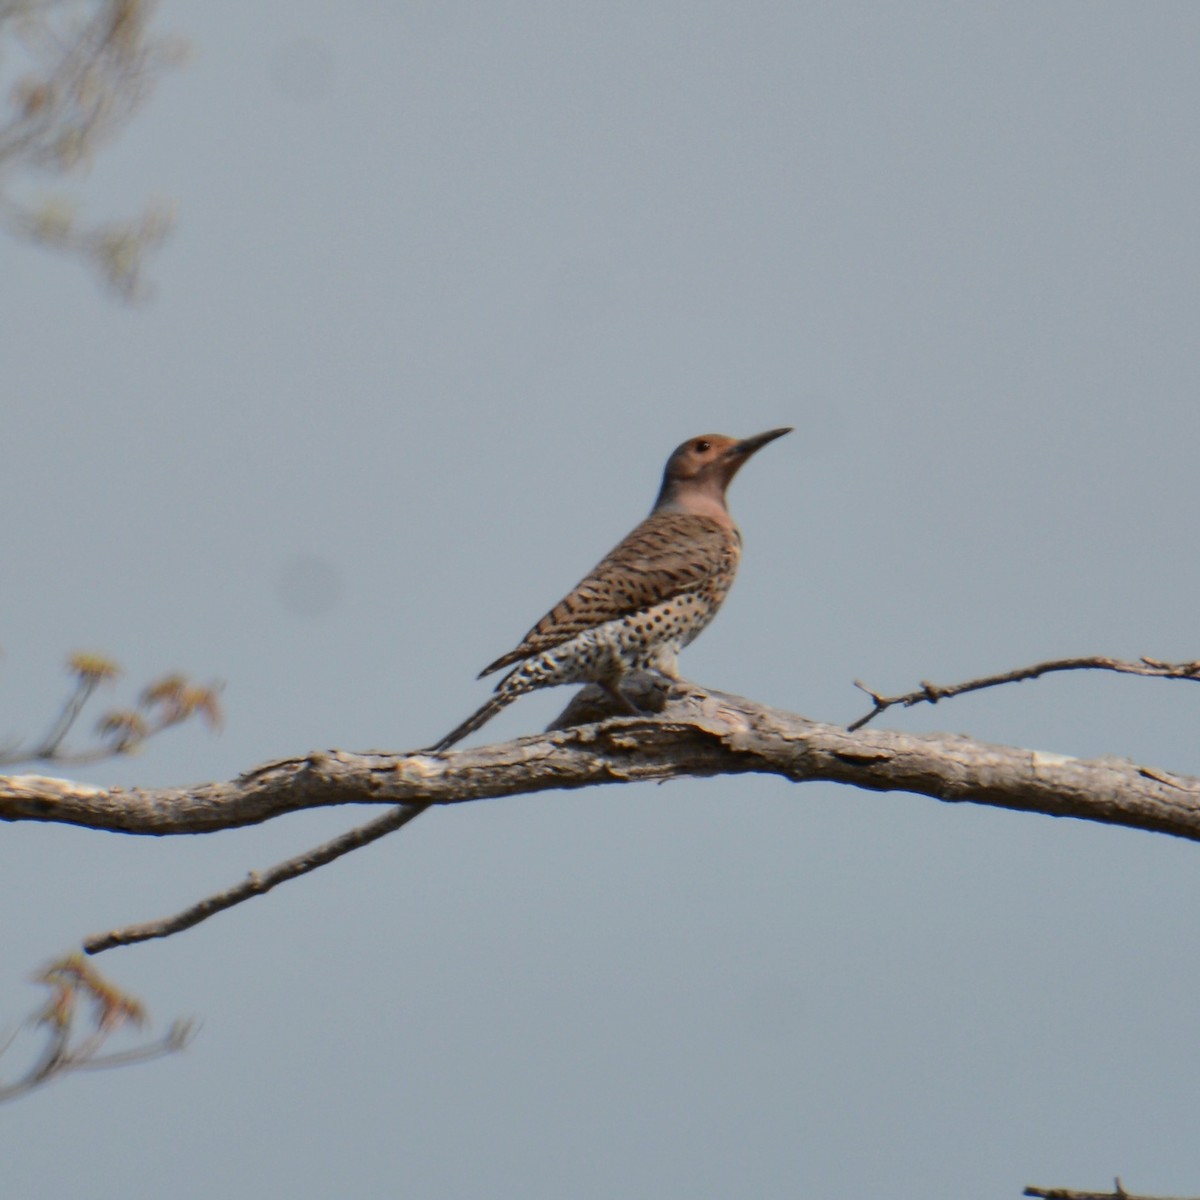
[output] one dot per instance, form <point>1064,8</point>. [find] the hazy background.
<point>450,281</point>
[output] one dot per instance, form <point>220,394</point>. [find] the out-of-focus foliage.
<point>75,1040</point>
<point>72,72</point>
<point>163,703</point>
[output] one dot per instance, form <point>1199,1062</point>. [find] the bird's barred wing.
<point>667,555</point>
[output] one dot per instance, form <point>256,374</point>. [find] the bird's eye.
<point>701,446</point>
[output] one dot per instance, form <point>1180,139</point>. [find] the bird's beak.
<point>747,446</point>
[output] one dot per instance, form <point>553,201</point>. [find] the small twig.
<point>176,1038</point>
<point>85,685</point>
<point>257,883</point>
<point>1118,1193</point>
<point>931,693</point>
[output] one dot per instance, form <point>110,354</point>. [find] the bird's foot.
<point>623,702</point>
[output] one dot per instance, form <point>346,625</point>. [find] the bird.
<point>650,596</point>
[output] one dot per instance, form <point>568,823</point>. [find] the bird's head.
<point>699,471</point>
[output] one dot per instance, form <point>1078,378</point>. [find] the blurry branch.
<point>74,73</point>
<point>74,981</point>
<point>931,693</point>
<point>1118,1193</point>
<point>694,734</point>
<point>164,703</point>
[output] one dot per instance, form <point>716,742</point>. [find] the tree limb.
<point>705,734</point>
<point>699,734</point>
<point>1118,1193</point>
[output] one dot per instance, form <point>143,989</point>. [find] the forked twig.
<point>931,693</point>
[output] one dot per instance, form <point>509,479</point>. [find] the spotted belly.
<point>643,641</point>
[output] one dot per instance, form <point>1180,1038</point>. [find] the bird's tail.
<point>479,718</point>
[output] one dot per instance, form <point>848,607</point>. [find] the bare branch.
<point>698,734</point>
<point>931,693</point>
<point>729,735</point>
<point>1118,1193</point>
<point>256,883</point>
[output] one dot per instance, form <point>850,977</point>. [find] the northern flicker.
<point>648,598</point>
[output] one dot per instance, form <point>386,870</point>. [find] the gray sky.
<point>450,281</point>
